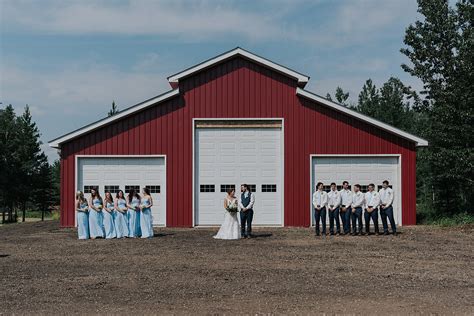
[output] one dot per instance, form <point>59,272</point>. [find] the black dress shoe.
<point>395,233</point>
<point>385,233</point>
<point>317,234</point>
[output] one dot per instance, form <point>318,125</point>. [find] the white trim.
<point>399,179</point>
<point>304,93</point>
<point>76,179</point>
<point>241,52</point>
<point>56,143</point>
<point>282,140</point>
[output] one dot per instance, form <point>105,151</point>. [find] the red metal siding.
<point>238,88</point>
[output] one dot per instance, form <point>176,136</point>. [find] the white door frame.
<point>242,119</point>
<point>399,177</point>
<point>76,167</point>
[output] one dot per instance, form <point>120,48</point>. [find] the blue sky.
<point>69,59</point>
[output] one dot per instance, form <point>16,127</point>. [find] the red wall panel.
<point>238,88</point>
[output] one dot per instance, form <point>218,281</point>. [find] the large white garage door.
<point>361,170</point>
<point>114,173</point>
<point>232,156</point>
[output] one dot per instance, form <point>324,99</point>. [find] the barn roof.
<point>174,79</point>
<point>341,108</point>
<point>302,79</point>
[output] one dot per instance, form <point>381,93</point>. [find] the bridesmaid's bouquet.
<point>232,208</point>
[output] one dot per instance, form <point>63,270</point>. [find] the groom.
<point>247,200</point>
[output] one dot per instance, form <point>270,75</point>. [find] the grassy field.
<point>45,269</point>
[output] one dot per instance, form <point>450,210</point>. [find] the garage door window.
<point>225,187</point>
<point>252,187</point>
<point>128,188</point>
<point>88,188</point>
<point>269,187</point>
<point>112,188</point>
<point>154,188</point>
<point>207,188</point>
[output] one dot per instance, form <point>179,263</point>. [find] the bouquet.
<point>232,208</point>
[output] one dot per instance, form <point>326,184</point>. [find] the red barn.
<point>236,118</point>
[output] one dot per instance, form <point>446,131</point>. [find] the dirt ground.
<point>44,269</point>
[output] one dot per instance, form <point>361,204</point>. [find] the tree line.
<point>440,53</point>
<point>27,180</point>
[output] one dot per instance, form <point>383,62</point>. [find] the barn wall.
<point>238,88</point>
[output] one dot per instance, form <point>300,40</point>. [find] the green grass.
<point>37,214</point>
<point>455,220</point>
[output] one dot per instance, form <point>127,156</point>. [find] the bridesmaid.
<point>120,215</point>
<point>133,214</point>
<point>95,215</point>
<point>109,226</point>
<point>82,216</point>
<point>146,219</point>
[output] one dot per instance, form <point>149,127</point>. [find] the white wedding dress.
<point>230,229</point>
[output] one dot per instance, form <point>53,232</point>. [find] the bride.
<point>230,228</point>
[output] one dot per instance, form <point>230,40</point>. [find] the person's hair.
<point>80,197</point>
<point>372,185</point>
<point>110,199</point>
<point>385,182</point>
<point>332,183</point>
<point>131,194</point>
<point>318,184</point>
<point>246,186</point>
<point>117,195</point>
<point>357,185</point>
<point>97,194</point>
<point>146,190</point>
<point>344,182</point>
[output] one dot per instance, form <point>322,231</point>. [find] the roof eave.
<point>57,142</point>
<point>419,142</point>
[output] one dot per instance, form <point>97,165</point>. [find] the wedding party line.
<point>130,216</point>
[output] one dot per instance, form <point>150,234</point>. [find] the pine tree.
<point>114,110</point>
<point>341,96</point>
<point>369,99</point>
<point>441,51</point>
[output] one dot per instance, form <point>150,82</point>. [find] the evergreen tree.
<point>55,171</point>
<point>341,96</point>
<point>114,110</point>
<point>441,51</point>
<point>369,100</point>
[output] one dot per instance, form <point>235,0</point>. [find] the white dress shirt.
<point>320,199</point>
<point>386,196</point>
<point>372,199</point>
<point>358,199</point>
<point>252,200</point>
<point>346,197</point>
<point>334,199</point>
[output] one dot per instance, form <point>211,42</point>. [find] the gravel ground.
<point>46,270</point>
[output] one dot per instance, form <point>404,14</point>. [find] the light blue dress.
<point>82,219</point>
<point>146,219</point>
<point>96,226</point>
<point>109,226</point>
<point>134,219</point>
<point>120,220</point>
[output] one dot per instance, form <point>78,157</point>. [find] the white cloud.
<point>184,19</point>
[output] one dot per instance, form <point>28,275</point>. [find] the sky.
<point>68,60</point>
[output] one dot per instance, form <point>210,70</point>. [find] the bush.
<point>455,220</point>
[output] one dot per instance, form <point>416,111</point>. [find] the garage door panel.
<point>119,171</point>
<point>255,149</point>
<point>362,170</point>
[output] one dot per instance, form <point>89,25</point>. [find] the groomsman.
<point>345,209</point>
<point>358,200</point>
<point>320,200</point>
<point>334,201</point>
<point>386,208</point>
<point>372,201</point>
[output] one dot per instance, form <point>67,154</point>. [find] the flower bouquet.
<point>232,208</point>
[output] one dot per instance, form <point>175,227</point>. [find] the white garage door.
<point>232,156</point>
<point>361,170</point>
<point>114,173</point>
